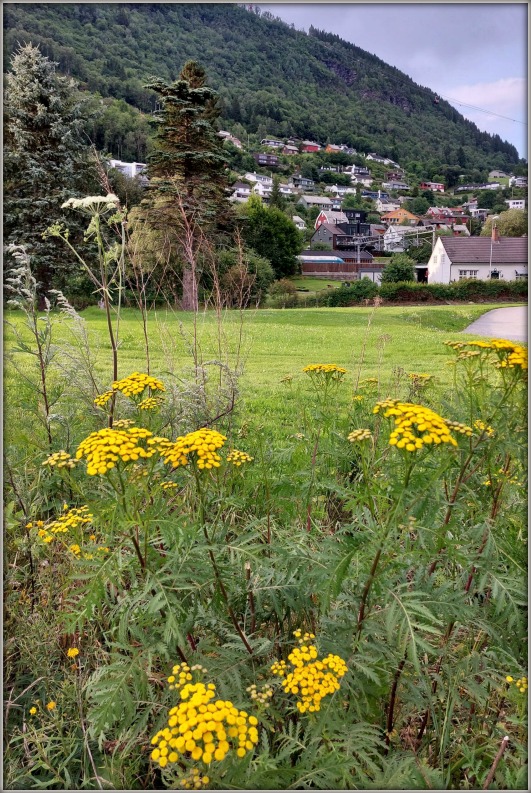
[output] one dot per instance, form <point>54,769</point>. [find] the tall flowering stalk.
<point>109,275</point>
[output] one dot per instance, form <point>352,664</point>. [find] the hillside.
<point>272,79</point>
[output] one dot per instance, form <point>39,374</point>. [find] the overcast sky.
<point>474,53</point>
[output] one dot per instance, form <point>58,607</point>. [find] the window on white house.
<point>520,277</point>
<point>468,274</point>
<point>435,258</point>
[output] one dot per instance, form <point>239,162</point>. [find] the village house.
<point>227,136</point>
<point>359,178</point>
<point>518,181</point>
<point>330,216</point>
<point>309,146</point>
<point>299,222</point>
<point>241,192</point>
<point>288,149</point>
<point>266,160</point>
<point>301,182</point>
<point>482,258</point>
<point>321,202</point>
<point>515,203</point>
<point>382,160</point>
<point>130,169</point>
<point>384,206</point>
<point>331,149</point>
<point>340,190</point>
<point>399,216</point>
<point>395,185</point>
<point>327,234</point>
<point>435,187</point>
<point>497,174</point>
<point>272,143</point>
<point>258,177</point>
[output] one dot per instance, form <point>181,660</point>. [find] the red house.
<point>309,146</point>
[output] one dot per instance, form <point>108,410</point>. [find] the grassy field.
<point>315,284</point>
<point>272,344</point>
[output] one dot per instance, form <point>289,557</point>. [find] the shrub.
<point>364,289</point>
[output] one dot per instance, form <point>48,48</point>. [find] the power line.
<point>482,110</point>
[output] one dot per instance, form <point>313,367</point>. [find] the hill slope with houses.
<point>272,80</point>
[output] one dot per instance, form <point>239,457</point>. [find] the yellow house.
<point>398,216</point>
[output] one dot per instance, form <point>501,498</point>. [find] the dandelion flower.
<point>51,705</point>
<point>72,652</point>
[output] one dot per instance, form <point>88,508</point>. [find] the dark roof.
<point>342,254</point>
<point>333,228</point>
<point>476,250</point>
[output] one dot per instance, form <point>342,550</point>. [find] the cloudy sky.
<point>471,53</point>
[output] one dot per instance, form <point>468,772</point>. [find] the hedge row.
<point>413,292</point>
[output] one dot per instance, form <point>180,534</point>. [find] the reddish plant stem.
<point>392,701</point>
<point>501,750</point>
<point>314,458</point>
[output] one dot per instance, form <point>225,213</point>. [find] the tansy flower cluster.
<point>102,399</point>
<point>201,727</point>
<point>194,780</point>
<point>71,519</point>
<point>60,460</point>
<point>311,679</point>
<point>324,373</point>
<point>136,384</point>
<point>510,354</point>
<point>417,426</point>
<point>237,458</point>
<point>104,448</point>
<point>420,380</point>
<point>151,403</point>
<point>359,435</point>
<point>358,398</point>
<point>263,696</point>
<point>482,427</point>
<point>168,485</point>
<point>521,683</point>
<point>122,424</point>
<point>202,443</point>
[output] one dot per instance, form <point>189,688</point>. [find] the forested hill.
<point>273,80</point>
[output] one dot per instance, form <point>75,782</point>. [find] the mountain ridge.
<point>272,79</point>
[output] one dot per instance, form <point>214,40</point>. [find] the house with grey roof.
<point>482,258</point>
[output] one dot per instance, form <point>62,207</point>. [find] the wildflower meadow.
<point>320,585</point>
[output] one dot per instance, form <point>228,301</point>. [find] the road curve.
<point>502,323</point>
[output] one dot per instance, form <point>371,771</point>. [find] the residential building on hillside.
<point>227,136</point>
<point>382,160</point>
<point>340,190</point>
<point>494,257</point>
<point>398,216</point>
<point>241,192</point>
<point>359,170</point>
<point>359,178</point>
<point>272,143</point>
<point>515,203</point>
<point>435,187</point>
<point>301,182</point>
<point>266,160</point>
<point>326,233</point>
<point>299,222</point>
<point>130,169</point>
<point>387,206</point>
<point>309,146</point>
<point>497,174</point>
<point>330,216</point>
<point>332,149</point>
<point>479,214</point>
<point>395,184</point>
<point>518,181</point>
<point>289,149</point>
<point>322,202</point>
<point>258,177</point>
<point>374,194</point>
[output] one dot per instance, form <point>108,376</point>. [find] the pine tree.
<point>188,183</point>
<point>276,199</point>
<point>46,161</point>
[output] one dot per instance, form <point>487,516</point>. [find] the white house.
<point>386,206</point>
<point>262,190</point>
<point>457,258</point>
<point>395,185</point>
<point>339,190</point>
<point>383,160</point>
<point>360,178</point>
<point>258,177</point>
<point>518,181</point>
<point>130,169</point>
<point>515,203</point>
<point>299,222</point>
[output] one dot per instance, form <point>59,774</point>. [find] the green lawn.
<point>272,344</point>
<point>315,284</point>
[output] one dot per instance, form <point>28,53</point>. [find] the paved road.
<point>502,323</point>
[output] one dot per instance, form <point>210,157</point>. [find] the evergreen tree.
<point>276,199</point>
<point>188,184</point>
<point>46,161</point>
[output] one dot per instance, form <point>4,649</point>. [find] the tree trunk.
<point>190,301</point>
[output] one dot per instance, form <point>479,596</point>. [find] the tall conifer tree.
<point>188,186</point>
<point>46,160</point>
